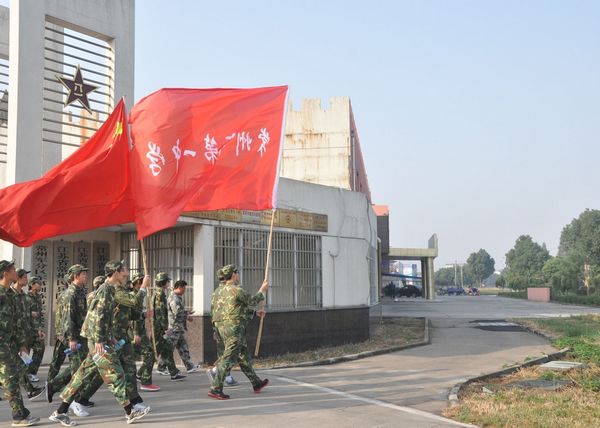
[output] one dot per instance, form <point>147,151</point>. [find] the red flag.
<point>204,149</point>
<point>87,190</point>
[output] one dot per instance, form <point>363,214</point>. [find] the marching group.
<point>103,333</point>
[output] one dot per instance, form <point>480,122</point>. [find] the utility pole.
<point>455,273</point>
<point>462,283</point>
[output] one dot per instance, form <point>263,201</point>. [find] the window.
<point>170,251</point>
<point>295,275</point>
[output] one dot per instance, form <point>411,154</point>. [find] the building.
<point>324,267</point>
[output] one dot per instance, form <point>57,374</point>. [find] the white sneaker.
<point>78,410</point>
<point>194,368</point>
<point>141,407</point>
<point>33,378</point>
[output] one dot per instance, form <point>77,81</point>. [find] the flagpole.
<point>149,301</point>
<point>262,304</point>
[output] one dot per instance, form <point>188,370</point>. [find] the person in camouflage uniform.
<point>98,328</point>
<point>12,340</point>
<point>212,372</point>
<point>142,344</point>
<point>25,324</point>
<point>230,306</point>
<point>160,324</point>
<point>178,317</point>
<point>96,283</point>
<point>37,315</point>
<point>58,355</point>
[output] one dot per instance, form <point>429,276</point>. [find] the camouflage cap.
<point>35,280</point>
<point>162,276</point>
<point>76,269</point>
<point>5,265</point>
<point>137,277</point>
<point>98,281</point>
<point>113,266</point>
<point>228,270</point>
<point>22,272</point>
<point>220,273</point>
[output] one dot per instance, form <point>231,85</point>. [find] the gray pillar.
<point>430,282</point>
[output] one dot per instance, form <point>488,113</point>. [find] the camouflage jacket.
<point>160,308</point>
<point>138,318</point>
<point>10,332</point>
<point>74,311</point>
<point>98,323</point>
<point>59,314</point>
<point>126,302</point>
<point>231,303</point>
<point>177,313</point>
<point>36,305</point>
<point>23,315</point>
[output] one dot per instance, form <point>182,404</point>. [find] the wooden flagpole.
<point>262,304</point>
<point>147,272</point>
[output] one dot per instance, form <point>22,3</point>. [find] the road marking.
<point>379,403</point>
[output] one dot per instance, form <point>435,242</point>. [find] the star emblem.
<point>78,89</point>
<point>118,129</point>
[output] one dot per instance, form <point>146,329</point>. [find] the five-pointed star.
<point>78,89</point>
<point>118,129</point>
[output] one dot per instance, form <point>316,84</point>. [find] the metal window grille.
<point>170,251</point>
<point>3,108</point>
<point>64,50</point>
<point>295,273</point>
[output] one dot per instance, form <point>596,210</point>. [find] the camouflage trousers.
<point>164,348</point>
<point>235,352</point>
<point>145,351</point>
<point>61,380</point>
<point>38,346</point>
<point>180,343</point>
<point>9,378</point>
<point>58,358</point>
<point>110,370</point>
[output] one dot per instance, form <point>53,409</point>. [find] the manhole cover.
<point>548,385</point>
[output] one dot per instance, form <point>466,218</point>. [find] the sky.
<point>479,121</point>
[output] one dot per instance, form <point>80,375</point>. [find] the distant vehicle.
<point>409,291</point>
<point>455,291</point>
<point>473,291</point>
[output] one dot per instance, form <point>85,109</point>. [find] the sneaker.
<point>62,418</point>
<point>33,378</point>
<point>211,374</point>
<point>218,395</point>
<point>230,381</point>
<point>138,377</point>
<point>36,393</point>
<point>177,377</point>
<point>261,385</point>
<point>141,407</point>
<point>49,391</point>
<point>194,368</point>
<point>150,388</point>
<point>25,422</point>
<point>164,372</point>
<point>78,410</point>
<point>136,415</point>
<point>85,402</point>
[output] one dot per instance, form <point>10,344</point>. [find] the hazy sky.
<point>479,121</point>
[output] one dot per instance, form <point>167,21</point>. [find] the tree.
<point>562,273</point>
<point>524,263</point>
<point>480,265</point>
<point>582,236</point>
<point>444,276</point>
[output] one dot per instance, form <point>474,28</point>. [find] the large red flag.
<point>87,190</point>
<point>204,149</point>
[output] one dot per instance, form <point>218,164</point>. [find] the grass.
<point>393,332</point>
<point>575,405</point>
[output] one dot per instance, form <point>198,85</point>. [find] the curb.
<point>456,389</point>
<point>351,357</point>
<point>540,333</point>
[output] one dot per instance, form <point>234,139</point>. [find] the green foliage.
<point>515,294</point>
<point>582,236</point>
<point>524,263</point>
<point>500,281</point>
<point>562,274</point>
<point>480,265</point>
<point>577,299</point>
<point>445,276</point>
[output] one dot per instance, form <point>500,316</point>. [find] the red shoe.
<point>150,388</point>
<point>218,395</point>
<point>261,385</point>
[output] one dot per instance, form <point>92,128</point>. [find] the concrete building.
<point>324,270</point>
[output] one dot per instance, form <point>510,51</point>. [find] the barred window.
<point>295,274</point>
<point>170,251</point>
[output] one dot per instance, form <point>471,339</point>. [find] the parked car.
<point>455,291</point>
<point>409,291</point>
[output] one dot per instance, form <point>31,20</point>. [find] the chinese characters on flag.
<point>202,150</point>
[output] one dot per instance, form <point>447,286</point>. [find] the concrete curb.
<point>456,389</point>
<point>545,335</point>
<point>351,357</point>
